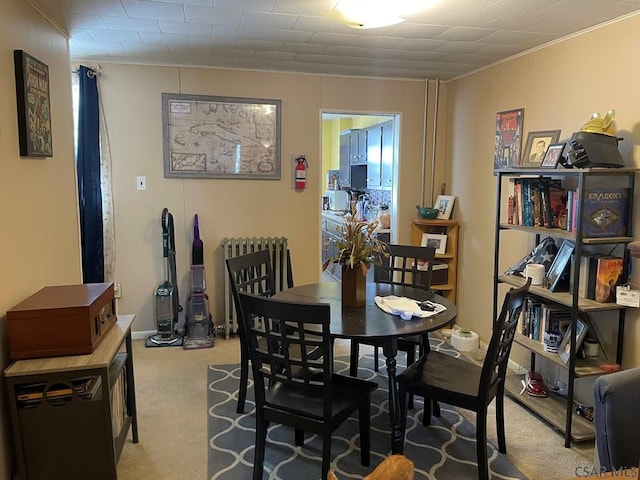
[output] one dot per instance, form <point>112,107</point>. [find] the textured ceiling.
<point>453,38</point>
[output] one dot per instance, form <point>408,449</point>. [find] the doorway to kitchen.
<point>359,159</point>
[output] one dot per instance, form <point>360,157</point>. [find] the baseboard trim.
<point>142,335</point>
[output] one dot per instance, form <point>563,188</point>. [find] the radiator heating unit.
<point>280,261</point>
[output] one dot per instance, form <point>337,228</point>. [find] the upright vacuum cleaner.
<point>167,299</point>
<point>199,322</point>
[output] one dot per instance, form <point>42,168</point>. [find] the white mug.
<point>535,271</point>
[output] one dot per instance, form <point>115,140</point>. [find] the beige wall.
<point>559,87</point>
<point>39,239</point>
<point>234,208</point>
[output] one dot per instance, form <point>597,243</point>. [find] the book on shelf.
<point>536,318</point>
<point>519,207</point>
<point>570,209</point>
<point>531,319</point>
<point>574,210</point>
<point>591,275</point>
<point>511,198</point>
<point>557,205</point>
<point>583,274</point>
<point>608,275</point>
<point>605,212</point>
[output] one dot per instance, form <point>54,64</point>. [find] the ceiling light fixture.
<point>363,14</point>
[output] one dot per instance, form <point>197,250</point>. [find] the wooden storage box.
<point>440,273</point>
<point>61,320</point>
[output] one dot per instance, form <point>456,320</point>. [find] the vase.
<point>354,287</point>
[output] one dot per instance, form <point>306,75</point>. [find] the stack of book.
<point>537,318</point>
<point>543,202</point>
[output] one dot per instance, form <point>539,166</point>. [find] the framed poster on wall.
<point>508,140</point>
<point>34,109</point>
<point>221,137</point>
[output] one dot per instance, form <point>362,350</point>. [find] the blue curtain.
<point>89,190</point>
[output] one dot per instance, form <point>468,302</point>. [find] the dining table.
<point>370,322</point>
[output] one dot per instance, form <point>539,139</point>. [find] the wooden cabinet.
<point>450,228</point>
<point>557,410</point>
<point>64,431</point>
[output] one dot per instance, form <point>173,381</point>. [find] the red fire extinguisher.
<point>301,173</point>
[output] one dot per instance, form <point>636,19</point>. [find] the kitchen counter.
<point>336,218</point>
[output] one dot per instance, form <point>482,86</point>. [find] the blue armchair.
<point>617,420</point>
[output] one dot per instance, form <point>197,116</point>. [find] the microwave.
<point>338,199</point>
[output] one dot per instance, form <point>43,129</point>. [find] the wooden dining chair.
<point>294,388</point>
<point>456,381</point>
<point>406,265</point>
<point>253,273</point>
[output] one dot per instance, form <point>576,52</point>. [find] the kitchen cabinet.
<point>558,410</point>
<point>64,428</point>
<point>358,147</point>
<point>330,236</point>
<point>353,158</point>
<point>345,160</point>
<point>386,167</point>
<point>374,156</point>
<point>366,157</point>
<point>380,156</point>
<point>353,147</point>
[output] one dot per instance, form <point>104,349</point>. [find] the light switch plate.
<point>141,183</point>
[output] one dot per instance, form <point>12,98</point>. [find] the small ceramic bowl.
<point>426,212</point>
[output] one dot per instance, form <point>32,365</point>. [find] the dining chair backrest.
<point>406,265</point>
<point>284,359</point>
<point>289,270</point>
<point>494,368</point>
<point>251,272</point>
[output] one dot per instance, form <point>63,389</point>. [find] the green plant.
<point>358,246</point>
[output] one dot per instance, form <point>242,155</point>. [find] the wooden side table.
<point>62,432</point>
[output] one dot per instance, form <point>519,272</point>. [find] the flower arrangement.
<point>358,246</point>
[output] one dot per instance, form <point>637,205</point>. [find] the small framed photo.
<point>556,280</point>
<point>565,346</point>
<point>436,240</point>
<point>552,157</point>
<point>444,203</point>
<point>536,147</point>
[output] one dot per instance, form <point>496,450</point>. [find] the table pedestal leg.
<point>390,350</point>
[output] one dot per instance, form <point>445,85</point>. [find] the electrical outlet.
<point>117,290</point>
<point>141,183</point>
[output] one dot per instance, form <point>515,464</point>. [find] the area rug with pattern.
<point>445,450</point>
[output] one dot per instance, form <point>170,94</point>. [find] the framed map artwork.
<point>221,137</point>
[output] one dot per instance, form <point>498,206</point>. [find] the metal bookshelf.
<point>557,410</point>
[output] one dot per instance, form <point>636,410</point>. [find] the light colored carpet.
<point>171,393</point>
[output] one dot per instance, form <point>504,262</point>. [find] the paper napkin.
<point>407,308</point>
